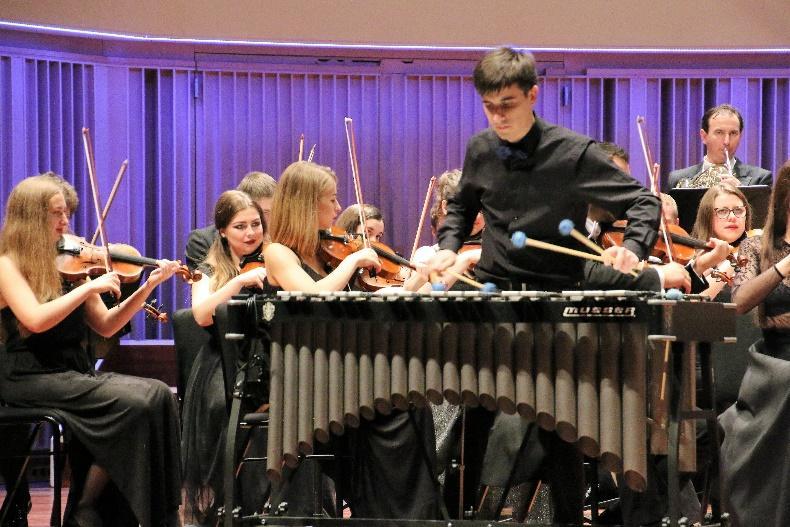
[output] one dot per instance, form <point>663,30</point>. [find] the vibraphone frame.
<point>687,325</point>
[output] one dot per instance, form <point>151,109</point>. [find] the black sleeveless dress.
<point>126,425</point>
<point>392,460</point>
<point>204,416</point>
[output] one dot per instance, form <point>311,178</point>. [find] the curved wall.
<point>529,23</point>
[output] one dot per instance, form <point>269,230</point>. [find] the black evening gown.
<point>389,463</point>
<point>126,425</point>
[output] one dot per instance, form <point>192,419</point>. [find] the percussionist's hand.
<point>620,258</point>
<point>441,261</point>
<point>676,276</point>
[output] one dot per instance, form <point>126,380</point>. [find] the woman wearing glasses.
<point>724,214</point>
<point>755,464</point>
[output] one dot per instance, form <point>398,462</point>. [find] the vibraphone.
<point>578,363</point>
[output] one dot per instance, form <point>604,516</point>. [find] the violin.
<point>78,259</point>
<point>684,246</point>
<point>155,313</point>
<point>337,244</point>
<point>251,261</point>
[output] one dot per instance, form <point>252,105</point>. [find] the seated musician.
<point>754,461</point>
<point>125,428</point>
<point>240,226</point>
<point>446,184</point>
<point>724,213</point>
<point>16,436</point>
<point>374,221</point>
<point>260,187</point>
<point>389,476</point>
<point>720,131</point>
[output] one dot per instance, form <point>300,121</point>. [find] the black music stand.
<point>688,201</point>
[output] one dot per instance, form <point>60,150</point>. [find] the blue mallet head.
<point>518,239</point>
<point>566,226</point>
<point>674,294</point>
<point>488,287</point>
<point>438,286</point>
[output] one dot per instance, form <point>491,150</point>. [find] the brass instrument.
<point>707,178</point>
<point>711,176</point>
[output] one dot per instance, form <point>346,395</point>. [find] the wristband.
<point>781,276</point>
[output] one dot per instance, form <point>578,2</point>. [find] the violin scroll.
<point>155,313</point>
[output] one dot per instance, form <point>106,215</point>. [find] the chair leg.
<point>58,462</point>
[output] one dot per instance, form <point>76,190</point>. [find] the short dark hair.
<point>257,185</point>
<point>613,150</point>
<point>713,112</point>
<point>503,67</point>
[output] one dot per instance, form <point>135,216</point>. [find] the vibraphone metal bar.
<point>575,362</point>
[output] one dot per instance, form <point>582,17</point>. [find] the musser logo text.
<point>600,311</point>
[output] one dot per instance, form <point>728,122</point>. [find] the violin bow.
<point>106,210</point>
<point>655,185</point>
<point>431,185</point>
<point>310,155</point>
<point>301,148</point>
<point>91,160</point>
<point>352,154</point>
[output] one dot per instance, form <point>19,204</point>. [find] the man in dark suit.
<point>260,187</point>
<point>721,131</point>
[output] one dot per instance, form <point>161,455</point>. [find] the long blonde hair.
<point>25,237</point>
<point>294,219</point>
<point>230,203</point>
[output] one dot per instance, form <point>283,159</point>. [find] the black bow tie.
<point>510,153</point>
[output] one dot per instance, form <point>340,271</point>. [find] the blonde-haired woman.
<point>388,476</point>
<point>127,427</point>
<point>241,229</point>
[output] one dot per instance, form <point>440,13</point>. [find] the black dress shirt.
<point>530,186</point>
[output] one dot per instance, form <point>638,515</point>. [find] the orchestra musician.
<point>374,221</point>
<point>240,226</point>
<point>724,213</point>
<point>446,184</point>
<point>720,130</point>
<point>525,174</point>
<point>125,428</point>
<point>754,462</point>
<point>16,436</point>
<point>389,476</point>
<point>258,185</point>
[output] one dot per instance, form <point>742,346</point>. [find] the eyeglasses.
<point>724,212</point>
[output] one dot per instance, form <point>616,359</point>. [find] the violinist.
<point>446,186</point>
<point>126,428</point>
<point>374,221</point>
<point>724,213</point>
<point>16,436</point>
<point>260,187</point>
<point>389,477</point>
<point>240,227</point>
<point>754,455</point>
